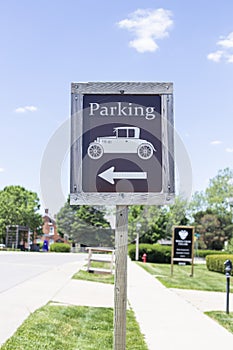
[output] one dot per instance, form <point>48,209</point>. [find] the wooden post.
<point>192,269</point>
<point>172,252</point>
<point>137,247</point>
<point>120,290</point>
<point>17,237</point>
<point>89,259</point>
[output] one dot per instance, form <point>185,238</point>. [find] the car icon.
<point>126,140</point>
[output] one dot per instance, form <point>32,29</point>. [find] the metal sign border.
<point>166,196</point>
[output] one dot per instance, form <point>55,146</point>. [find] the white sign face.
<point>122,143</point>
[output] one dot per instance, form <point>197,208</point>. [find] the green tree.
<point>214,228</point>
<point>149,221</point>
<point>178,214</point>
<point>92,215</point>
<point>210,230</point>
<point>85,224</point>
<point>157,224</point>
<point>19,206</point>
<point>220,191</point>
<point>197,204</point>
<point>65,219</point>
<point>137,221</point>
<point>90,226</point>
<point>156,221</point>
<point>230,246</point>
<point>211,210</point>
<point>217,197</point>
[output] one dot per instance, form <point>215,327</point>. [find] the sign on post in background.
<point>183,245</point>
<point>122,143</point>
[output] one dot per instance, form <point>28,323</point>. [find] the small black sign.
<point>183,242</point>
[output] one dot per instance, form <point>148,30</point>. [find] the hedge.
<point>162,254</point>
<point>156,253</point>
<point>216,262</point>
<point>59,247</point>
<point>203,253</point>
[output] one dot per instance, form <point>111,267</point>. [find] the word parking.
<point>122,110</point>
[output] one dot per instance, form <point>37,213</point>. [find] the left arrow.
<point>109,175</point>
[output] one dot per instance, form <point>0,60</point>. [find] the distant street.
<point>18,267</point>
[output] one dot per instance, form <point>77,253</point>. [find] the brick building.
<point>49,229</point>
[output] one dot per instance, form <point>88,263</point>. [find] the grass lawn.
<point>95,277</point>
<point>203,279</point>
<point>55,327</point>
<point>225,320</point>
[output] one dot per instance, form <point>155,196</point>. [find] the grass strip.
<point>73,327</point>
<point>225,320</point>
<point>203,279</point>
<point>95,277</point>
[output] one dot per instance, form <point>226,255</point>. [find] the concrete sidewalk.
<point>168,321</point>
<point>205,301</point>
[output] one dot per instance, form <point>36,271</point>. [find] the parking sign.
<point>122,143</point>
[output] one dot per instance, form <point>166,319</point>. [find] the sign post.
<point>183,246</point>
<point>122,153</point>
<point>120,290</point>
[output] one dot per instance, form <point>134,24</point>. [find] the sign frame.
<point>77,195</point>
<point>191,247</point>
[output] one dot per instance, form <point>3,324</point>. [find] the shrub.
<point>156,253</point>
<point>59,247</point>
<point>205,252</point>
<point>230,247</point>
<point>216,262</point>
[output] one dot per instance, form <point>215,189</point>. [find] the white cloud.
<point>144,44</point>
<point>226,42</point>
<point>147,26</point>
<point>26,109</point>
<point>216,142</point>
<point>215,56</point>
<point>229,150</point>
<point>226,52</point>
<point>230,58</point>
<point>1,170</point>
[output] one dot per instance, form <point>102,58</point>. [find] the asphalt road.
<point>18,267</point>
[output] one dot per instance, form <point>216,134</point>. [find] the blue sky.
<point>46,45</point>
